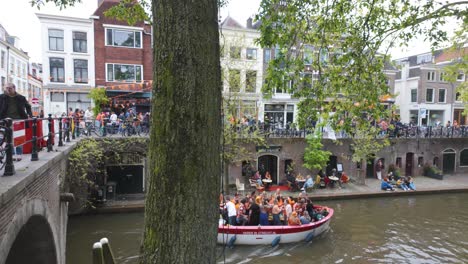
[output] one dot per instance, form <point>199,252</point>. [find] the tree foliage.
<point>99,97</point>
<point>336,53</point>
<point>236,136</point>
<point>459,66</point>
<point>314,155</point>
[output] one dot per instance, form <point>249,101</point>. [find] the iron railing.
<point>40,136</point>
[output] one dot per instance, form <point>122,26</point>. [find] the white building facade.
<point>67,62</point>
<point>13,63</point>
<point>424,97</point>
<point>242,69</point>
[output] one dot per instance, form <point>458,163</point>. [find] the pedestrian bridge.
<point>33,211</point>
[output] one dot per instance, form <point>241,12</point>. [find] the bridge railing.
<point>33,134</point>
<point>397,132</point>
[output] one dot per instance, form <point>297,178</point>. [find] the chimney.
<point>249,22</point>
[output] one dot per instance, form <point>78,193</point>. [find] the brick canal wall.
<point>33,220</point>
<point>411,154</point>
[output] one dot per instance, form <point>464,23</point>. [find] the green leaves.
<point>130,11</point>
<point>98,95</point>
<point>314,156</point>
<point>346,43</point>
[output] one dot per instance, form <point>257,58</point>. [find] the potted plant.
<point>432,172</point>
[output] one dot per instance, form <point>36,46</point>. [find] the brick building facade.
<point>123,58</point>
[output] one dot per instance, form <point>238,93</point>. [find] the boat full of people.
<point>231,235</point>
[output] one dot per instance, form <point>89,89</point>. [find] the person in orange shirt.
<point>97,123</point>
<point>293,219</point>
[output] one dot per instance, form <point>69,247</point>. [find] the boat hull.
<point>262,235</point>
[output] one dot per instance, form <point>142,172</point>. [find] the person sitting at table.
<point>344,178</point>
<point>292,181</point>
<point>267,175</point>
<point>258,178</point>
<point>308,184</point>
<point>385,185</point>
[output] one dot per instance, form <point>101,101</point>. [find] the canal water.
<point>418,229</point>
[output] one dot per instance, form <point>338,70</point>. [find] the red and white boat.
<point>263,235</point>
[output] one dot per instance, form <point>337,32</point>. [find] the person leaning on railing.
<point>15,106</point>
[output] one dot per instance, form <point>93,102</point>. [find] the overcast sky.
<point>19,19</point>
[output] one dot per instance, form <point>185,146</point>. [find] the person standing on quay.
<point>378,169</point>
<point>15,106</point>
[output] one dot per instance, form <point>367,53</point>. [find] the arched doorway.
<point>269,163</point>
<point>331,164</point>
<point>409,164</point>
<point>448,161</point>
<point>33,244</point>
<point>370,167</point>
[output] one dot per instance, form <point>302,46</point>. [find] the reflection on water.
<point>422,229</point>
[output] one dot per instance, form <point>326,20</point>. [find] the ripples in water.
<point>413,230</point>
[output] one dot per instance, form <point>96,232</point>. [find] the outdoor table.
<point>267,183</point>
<point>334,179</point>
<point>300,182</point>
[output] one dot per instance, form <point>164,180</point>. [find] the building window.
<point>57,70</point>
<point>250,81</point>
<point>267,55</point>
<point>424,58</point>
<point>429,95</point>
<point>398,162</point>
<point>420,161</point>
<point>56,39</point>
<point>81,71</point>
<point>414,95</point>
<point>323,56</point>
<point>431,76</point>
<point>124,73</point>
<point>308,55</point>
<point>2,60</point>
<point>464,157</point>
<point>441,95</point>
<point>57,97</point>
<point>458,97</point>
<point>442,77</point>
<point>123,38</point>
<point>80,42</point>
<point>461,77</point>
<point>235,52</point>
<point>251,54</point>
<point>234,81</point>
<point>3,82</point>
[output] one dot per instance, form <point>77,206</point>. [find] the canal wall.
<point>409,155</point>
<point>33,218</point>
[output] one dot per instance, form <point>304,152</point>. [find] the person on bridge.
<point>14,106</point>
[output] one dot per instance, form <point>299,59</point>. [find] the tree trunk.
<point>181,215</point>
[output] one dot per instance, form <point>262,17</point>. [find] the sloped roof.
<point>231,22</point>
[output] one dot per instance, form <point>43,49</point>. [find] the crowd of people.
<point>112,119</point>
<point>269,209</point>
<point>393,182</point>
